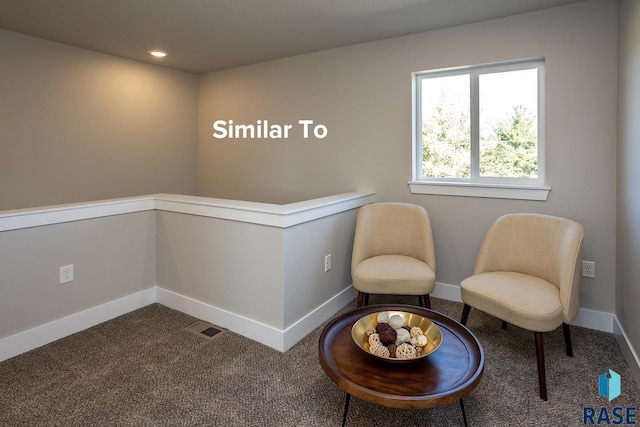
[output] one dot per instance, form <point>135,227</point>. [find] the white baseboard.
<point>281,340</point>
<point>592,319</point>
<point>44,334</point>
<point>630,354</point>
<point>244,326</point>
<point>447,291</point>
<point>586,318</point>
<point>308,323</point>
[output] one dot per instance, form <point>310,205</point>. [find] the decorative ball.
<point>387,335</point>
<point>383,317</point>
<point>402,336</point>
<point>392,350</point>
<point>405,351</point>
<point>422,340</point>
<point>415,331</point>
<point>381,351</point>
<point>373,339</point>
<point>396,321</point>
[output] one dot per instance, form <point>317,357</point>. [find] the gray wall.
<point>113,257</point>
<point>79,125</point>
<point>267,274</point>
<point>362,93</point>
<point>234,266</point>
<point>628,244</point>
<point>306,284</point>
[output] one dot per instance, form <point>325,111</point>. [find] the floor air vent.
<point>204,330</point>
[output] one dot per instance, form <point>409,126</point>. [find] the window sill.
<point>467,189</point>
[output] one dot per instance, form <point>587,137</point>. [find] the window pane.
<point>446,128</point>
<point>508,143</point>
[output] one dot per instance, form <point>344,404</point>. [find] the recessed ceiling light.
<point>158,53</point>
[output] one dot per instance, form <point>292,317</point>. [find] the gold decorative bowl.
<point>432,332</point>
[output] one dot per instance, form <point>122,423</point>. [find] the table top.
<point>443,377</point>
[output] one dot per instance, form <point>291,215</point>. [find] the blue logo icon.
<point>609,385</point>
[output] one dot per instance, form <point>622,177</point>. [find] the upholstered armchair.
<point>527,274</point>
<point>393,252</point>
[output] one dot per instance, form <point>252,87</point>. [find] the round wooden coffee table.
<point>443,377</point>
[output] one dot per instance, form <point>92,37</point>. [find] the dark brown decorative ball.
<point>387,333</point>
<point>392,350</point>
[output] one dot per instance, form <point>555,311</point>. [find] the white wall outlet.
<point>327,263</point>
<point>589,269</point>
<point>66,274</point>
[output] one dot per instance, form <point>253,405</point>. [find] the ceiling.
<point>209,35</point>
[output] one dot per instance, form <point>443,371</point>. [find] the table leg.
<point>346,409</point>
<point>464,414</point>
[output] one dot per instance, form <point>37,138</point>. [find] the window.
<point>478,131</point>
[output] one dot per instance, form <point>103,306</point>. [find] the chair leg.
<point>541,373</point>
<point>361,299</point>
<point>567,339</point>
<point>504,325</point>
<point>424,301</point>
<point>465,314</point>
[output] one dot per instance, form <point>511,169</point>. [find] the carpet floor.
<point>146,369</point>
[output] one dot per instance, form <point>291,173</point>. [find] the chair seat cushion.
<point>520,299</point>
<point>394,274</point>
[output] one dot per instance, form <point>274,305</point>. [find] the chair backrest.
<point>545,246</point>
<point>393,229</point>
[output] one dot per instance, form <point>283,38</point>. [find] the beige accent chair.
<point>393,252</point>
<point>527,274</point>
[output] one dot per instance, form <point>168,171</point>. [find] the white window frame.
<point>476,186</point>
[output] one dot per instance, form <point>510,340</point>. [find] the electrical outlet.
<point>327,263</point>
<point>589,269</point>
<point>66,274</point>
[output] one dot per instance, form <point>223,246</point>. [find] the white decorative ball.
<point>396,321</point>
<point>383,317</point>
<point>422,340</point>
<point>402,335</point>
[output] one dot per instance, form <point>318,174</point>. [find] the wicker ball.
<point>415,331</point>
<point>381,351</point>
<point>405,351</point>
<point>374,339</point>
